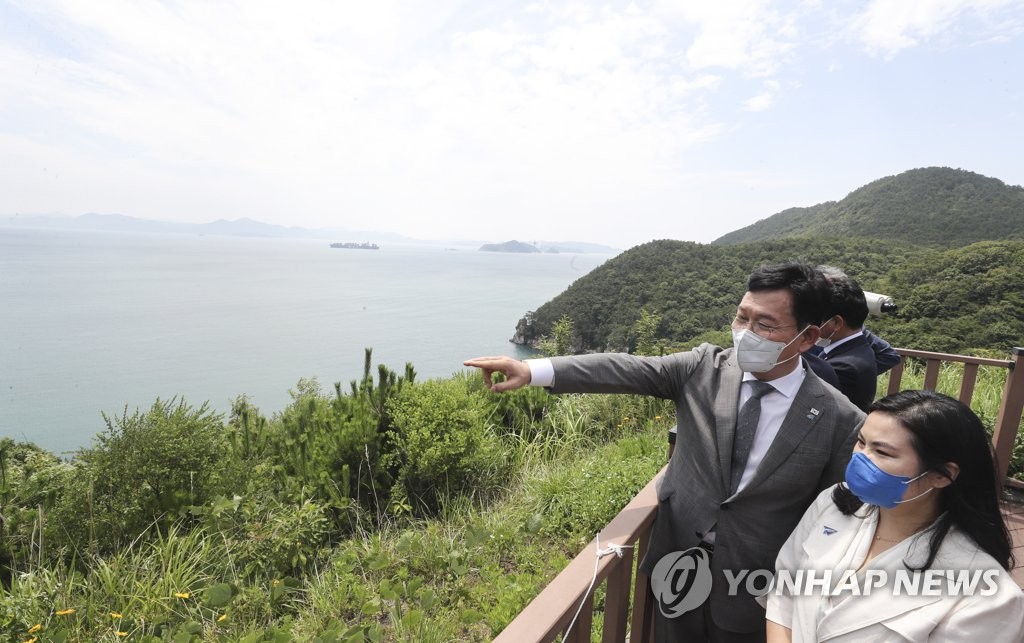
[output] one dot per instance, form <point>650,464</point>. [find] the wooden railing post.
<point>616,602</point>
<point>641,628</point>
<point>896,376</point>
<point>1004,435</point>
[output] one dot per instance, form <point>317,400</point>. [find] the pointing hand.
<point>516,372</point>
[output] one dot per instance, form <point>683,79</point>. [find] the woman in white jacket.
<point>912,547</point>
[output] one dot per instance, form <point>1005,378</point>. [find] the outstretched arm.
<point>516,372</point>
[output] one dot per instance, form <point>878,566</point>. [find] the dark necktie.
<point>746,427</point>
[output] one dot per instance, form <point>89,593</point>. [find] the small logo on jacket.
<point>681,581</point>
<point>828,531</point>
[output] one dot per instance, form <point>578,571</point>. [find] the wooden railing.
<point>1004,432</point>
<point>548,616</point>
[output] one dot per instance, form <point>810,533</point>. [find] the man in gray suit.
<point>737,499</point>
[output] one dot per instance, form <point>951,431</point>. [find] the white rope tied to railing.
<point>612,548</point>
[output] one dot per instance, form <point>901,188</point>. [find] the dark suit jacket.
<point>854,363</point>
<point>809,453</point>
<point>821,368</point>
<point>885,355</point>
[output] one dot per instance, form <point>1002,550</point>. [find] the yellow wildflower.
<point>31,640</point>
<point>35,628</point>
<point>275,582</point>
<point>70,610</point>
<point>657,417</point>
<point>181,594</point>
<point>121,633</point>
<point>222,618</point>
<point>115,615</point>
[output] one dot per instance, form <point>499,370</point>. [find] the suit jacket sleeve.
<point>885,355</point>
<point>661,377</point>
<point>843,441</point>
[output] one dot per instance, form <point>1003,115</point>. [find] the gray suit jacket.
<point>809,453</point>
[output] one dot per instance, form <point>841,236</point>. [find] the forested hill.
<point>963,300</point>
<point>935,206</point>
<point>955,273</point>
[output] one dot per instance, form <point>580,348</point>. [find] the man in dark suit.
<point>737,499</point>
<point>844,345</point>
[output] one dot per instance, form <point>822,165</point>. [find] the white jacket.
<point>964,596</point>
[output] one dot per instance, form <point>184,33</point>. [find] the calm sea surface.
<point>92,322</point>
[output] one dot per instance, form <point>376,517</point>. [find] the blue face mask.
<point>874,486</point>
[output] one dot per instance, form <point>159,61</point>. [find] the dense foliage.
<point>946,244</point>
<point>936,206</point>
<point>345,516</point>
<point>694,288</point>
<point>968,300</point>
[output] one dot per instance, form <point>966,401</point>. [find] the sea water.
<point>97,322</point>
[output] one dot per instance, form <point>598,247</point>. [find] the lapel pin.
<point>814,411</point>
<point>828,531</point>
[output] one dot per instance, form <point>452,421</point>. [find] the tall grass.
<point>148,588</point>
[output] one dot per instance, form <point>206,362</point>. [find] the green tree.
<point>644,331</point>
<point>560,341</point>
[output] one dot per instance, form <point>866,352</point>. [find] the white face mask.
<point>825,341</point>
<point>755,354</point>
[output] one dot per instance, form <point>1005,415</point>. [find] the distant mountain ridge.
<point>935,206</point>
<point>241,227</point>
<point>246,227</point>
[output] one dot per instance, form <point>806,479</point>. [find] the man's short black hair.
<point>848,302</point>
<point>810,290</point>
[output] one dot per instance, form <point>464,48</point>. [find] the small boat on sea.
<point>356,246</point>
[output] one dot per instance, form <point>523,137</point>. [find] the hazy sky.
<point>611,122</point>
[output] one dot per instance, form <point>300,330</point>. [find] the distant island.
<point>509,246</point>
<point>356,246</point>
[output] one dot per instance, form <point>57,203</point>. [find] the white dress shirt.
<point>839,342</point>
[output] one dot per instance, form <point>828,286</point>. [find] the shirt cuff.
<point>542,372</point>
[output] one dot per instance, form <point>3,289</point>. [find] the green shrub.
<point>274,540</point>
<point>30,480</point>
<point>442,444</point>
<point>145,470</point>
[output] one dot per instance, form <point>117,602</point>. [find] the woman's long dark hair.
<point>944,430</point>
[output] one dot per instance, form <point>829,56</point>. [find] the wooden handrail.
<point>1004,432</point>
<point>548,615</point>
<point>950,357</point>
